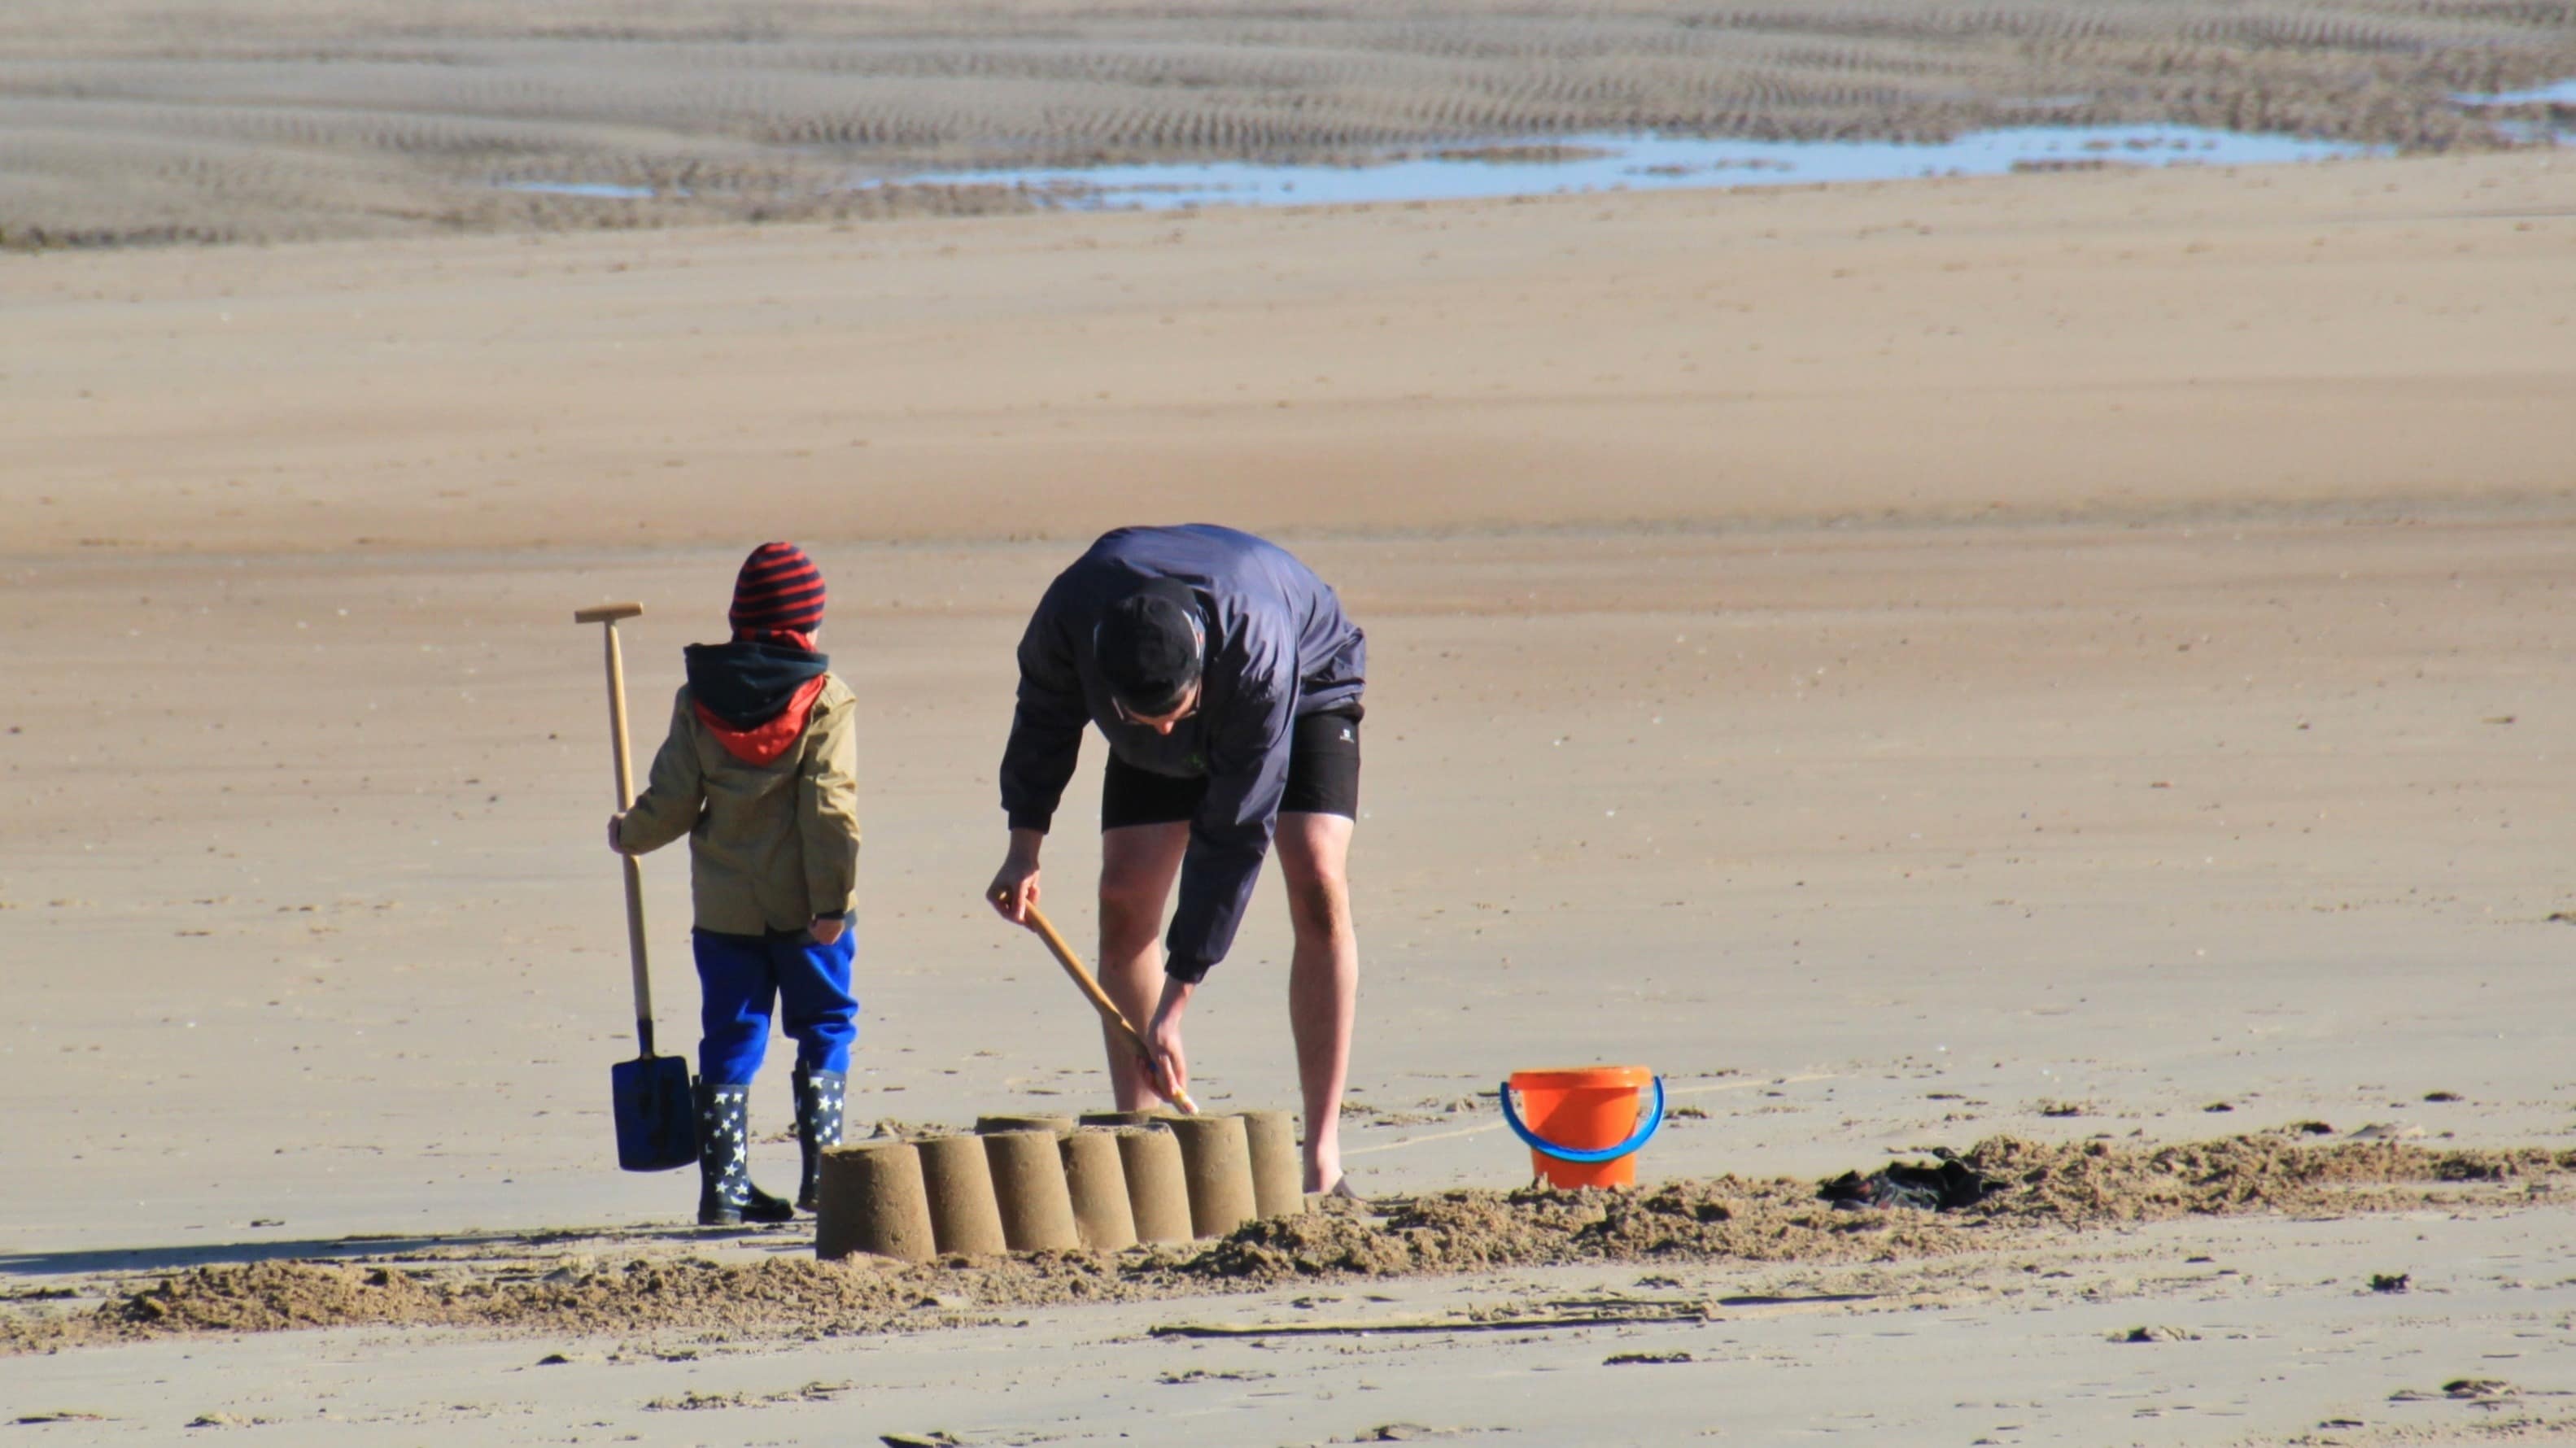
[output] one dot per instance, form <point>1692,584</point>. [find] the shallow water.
<point>596,190</point>
<point>1630,162</point>
<point>2560,93</point>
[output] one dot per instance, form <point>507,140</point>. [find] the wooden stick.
<point>1110,1015</point>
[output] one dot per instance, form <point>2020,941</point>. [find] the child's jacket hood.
<point>755,697</point>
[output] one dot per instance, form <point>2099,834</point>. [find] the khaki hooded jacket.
<point>771,846</point>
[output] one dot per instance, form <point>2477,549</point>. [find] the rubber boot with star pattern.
<point>726,1197</point>
<point>818,1124</point>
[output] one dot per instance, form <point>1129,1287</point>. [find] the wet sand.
<point>153,122</point>
<point>2078,652</point>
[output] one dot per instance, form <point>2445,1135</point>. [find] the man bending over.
<point>1227,681</point>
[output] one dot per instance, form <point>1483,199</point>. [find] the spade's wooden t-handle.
<point>1113,1017</point>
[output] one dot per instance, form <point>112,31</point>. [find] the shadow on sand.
<point>539,1242</point>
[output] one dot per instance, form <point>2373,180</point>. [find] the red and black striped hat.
<point>778,591</point>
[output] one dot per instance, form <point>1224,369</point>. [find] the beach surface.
<point>197,121</point>
<point>2068,657</point>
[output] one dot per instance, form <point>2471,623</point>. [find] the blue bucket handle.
<point>1654,1122</point>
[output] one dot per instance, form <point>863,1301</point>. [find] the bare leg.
<point>1323,978</point>
<point>1137,866</point>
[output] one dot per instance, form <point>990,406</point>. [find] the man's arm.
<point>1247,773</point>
<point>674,794</point>
<point>1045,743</point>
<point>1046,728</point>
<point>827,816</point>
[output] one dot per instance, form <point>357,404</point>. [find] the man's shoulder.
<point>1150,536</point>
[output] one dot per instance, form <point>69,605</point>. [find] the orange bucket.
<point>1585,1124</point>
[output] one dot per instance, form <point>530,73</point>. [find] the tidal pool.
<point>1543,166</point>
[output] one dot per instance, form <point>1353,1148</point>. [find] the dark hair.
<point>1149,644</point>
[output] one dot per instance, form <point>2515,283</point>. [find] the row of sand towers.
<point>1048,1183</point>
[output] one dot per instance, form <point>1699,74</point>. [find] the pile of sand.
<point>2044,1186</point>
<point>2047,1188</point>
<point>2096,1182</point>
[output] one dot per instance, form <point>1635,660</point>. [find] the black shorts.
<point>1323,778</point>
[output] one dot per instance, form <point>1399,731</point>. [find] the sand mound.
<point>798,1295</point>
<point>2048,1188</point>
<point>273,1296</point>
<point>1475,1231</point>
<point>2076,1185</point>
<point>2097,1182</point>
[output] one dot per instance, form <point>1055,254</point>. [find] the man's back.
<point>1266,611</point>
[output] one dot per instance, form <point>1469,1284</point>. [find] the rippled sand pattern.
<point>123,121</point>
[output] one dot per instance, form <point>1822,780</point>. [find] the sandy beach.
<point>190,121</point>
<point>2072,658</point>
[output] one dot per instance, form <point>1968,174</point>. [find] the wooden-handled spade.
<point>1110,1015</point>
<point>657,1121</point>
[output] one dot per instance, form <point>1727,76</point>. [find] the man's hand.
<point>1015,886</point>
<point>826,929</point>
<point>1170,1063</point>
<point>615,842</point>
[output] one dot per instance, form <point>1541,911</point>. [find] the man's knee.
<point>1131,905</point>
<point>1318,902</point>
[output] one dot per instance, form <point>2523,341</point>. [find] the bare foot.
<point>1323,1174</point>
<point>1339,1199</point>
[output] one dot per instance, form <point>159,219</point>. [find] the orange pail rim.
<point>1582,1078</point>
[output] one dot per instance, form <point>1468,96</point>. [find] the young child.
<point>760,772</point>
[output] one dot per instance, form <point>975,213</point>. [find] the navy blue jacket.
<point>1278,648</point>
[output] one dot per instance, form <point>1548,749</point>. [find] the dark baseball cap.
<point>1149,645</point>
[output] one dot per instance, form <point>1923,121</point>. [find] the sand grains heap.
<point>2046,1189</point>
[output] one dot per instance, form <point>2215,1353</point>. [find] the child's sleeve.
<point>668,808</point>
<point>827,812</point>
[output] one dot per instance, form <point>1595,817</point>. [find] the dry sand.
<point>2056,656</point>
<point>2343,342</point>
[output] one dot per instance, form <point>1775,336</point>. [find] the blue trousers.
<point>740,980</point>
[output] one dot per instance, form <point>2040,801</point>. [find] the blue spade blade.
<point>657,1121</point>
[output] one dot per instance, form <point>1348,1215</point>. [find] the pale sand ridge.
<point>2388,336</point>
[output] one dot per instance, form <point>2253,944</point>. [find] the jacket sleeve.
<point>1247,774</point>
<point>1046,728</point>
<point>827,811</point>
<point>675,792</point>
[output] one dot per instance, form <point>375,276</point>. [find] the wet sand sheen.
<point>130,122</point>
